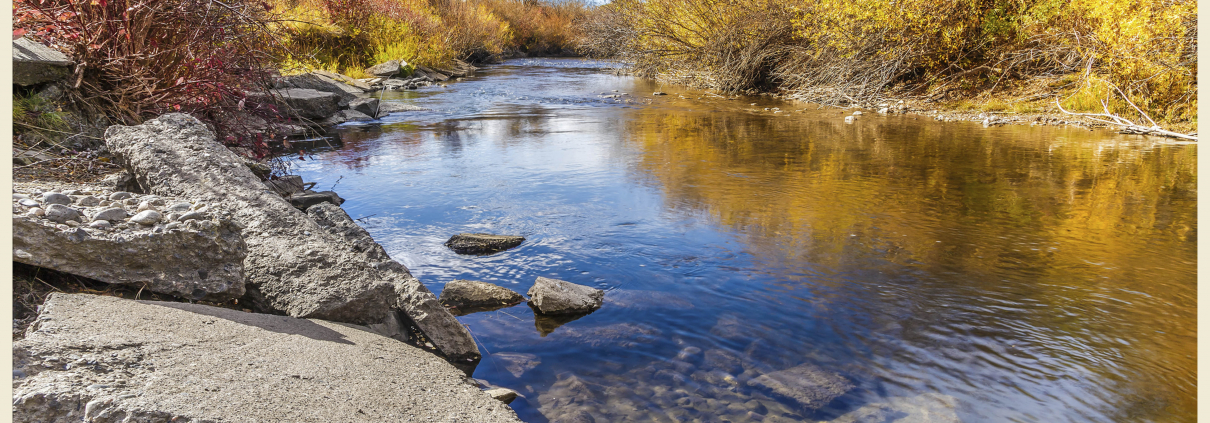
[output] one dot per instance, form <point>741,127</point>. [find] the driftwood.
<point>1128,126</point>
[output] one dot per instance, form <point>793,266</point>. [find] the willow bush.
<point>1097,53</point>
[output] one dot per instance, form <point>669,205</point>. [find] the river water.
<point>1010,273</point>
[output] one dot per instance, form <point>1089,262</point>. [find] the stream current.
<point>999,274</point>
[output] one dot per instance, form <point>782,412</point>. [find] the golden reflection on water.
<point>1083,242</point>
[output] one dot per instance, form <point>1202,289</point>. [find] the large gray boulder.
<point>308,103</point>
<point>192,259</point>
<point>808,385</point>
<point>470,295</point>
<point>294,265</point>
<point>34,63</point>
<point>466,243</point>
<point>553,296</point>
<point>367,106</point>
<point>107,359</point>
<point>347,80</point>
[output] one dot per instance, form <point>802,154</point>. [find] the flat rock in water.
<point>503,395</point>
<point>395,107</point>
<point>367,106</point>
<point>296,266</point>
<point>517,363</point>
<point>465,294</point>
<point>925,408</point>
<point>107,359</point>
<point>553,296</point>
<point>303,201</point>
<point>466,243</point>
<point>808,385</point>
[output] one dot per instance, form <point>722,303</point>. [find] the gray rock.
<point>116,214</point>
<point>344,116</point>
<point>146,361</point>
<point>925,408</point>
<point>147,217</point>
<point>308,103</point>
<point>433,74</point>
<point>55,198</point>
<point>34,63</point>
<point>808,385</point>
<point>29,157</point>
<point>59,213</point>
<point>20,196</point>
<point>193,215</point>
<point>467,243</point>
<point>418,304</point>
<point>317,82</point>
<point>303,201</point>
<point>120,195</point>
<point>395,107</point>
<point>553,296</point>
<point>348,80</point>
<point>503,395</point>
<point>88,201</point>
<point>179,207</point>
<point>192,265</point>
<point>36,211</point>
<point>101,224</point>
<point>465,294</point>
<point>287,185</point>
<point>29,202</point>
<point>386,69</point>
<point>724,360</point>
<point>367,106</point>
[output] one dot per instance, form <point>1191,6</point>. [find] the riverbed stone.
<point>466,294</point>
<point>29,202</point>
<point>553,296</point>
<point>294,266</point>
<point>318,82</point>
<point>808,385</point>
<point>343,116</point>
<point>517,363</point>
<point>120,195</point>
<point>386,107</point>
<point>367,106</point>
<point>308,103</point>
<point>305,200</point>
<point>115,214</point>
<point>480,243</point>
<point>147,217</point>
<point>59,213</point>
<point>34,63</point>
<point>107,359</point>
<point>503,395</point>
<point>55,198</point>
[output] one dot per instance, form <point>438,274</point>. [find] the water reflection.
<point>987,274</point>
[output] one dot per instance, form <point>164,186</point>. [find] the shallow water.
<point>1000,274</point>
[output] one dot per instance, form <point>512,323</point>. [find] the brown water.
<point>1016,273</point>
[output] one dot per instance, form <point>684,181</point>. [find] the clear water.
<point>1023,273</point>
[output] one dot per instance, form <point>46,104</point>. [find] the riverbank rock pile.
<point>294,265</point>
<point>164,244</point>
<point>393,75</point>
<point>325,99</point>
<point>106,359</point>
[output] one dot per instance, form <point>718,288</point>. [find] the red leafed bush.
<point>138,59</point>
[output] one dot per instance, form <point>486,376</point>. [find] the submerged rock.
<point>467,243</point>
<point>808,385</point>
<point>517,363</point>
<point>106,359</point>
<point>553,296</point>
<point>503,395</point>
<point>466,295</point>
<point>926,408</point>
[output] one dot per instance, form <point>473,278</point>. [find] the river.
<point>1011,273</point>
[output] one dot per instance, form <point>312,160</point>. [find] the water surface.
<point>1020,273</point>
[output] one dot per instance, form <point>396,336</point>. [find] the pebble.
<point>130,202</point>
<point>36,211</point>
<point>147,217</point>
<point>113,215</point>
<point>144,206</point>
<point>120,195</point>
<point>60,213</point>
<point>30,203</point>
<point>172,226</point>
<point>179,207</point>
<point>193,215</point>
<point>20,196</point>
<point>72,223</point>
<point>173,217</point>
<point>101,224</point>
<point>89,201</point>
<point>71,192</point>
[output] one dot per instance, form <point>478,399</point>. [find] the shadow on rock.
<point>300,327</point>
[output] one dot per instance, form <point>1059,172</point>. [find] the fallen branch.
<point>1127,126</point>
